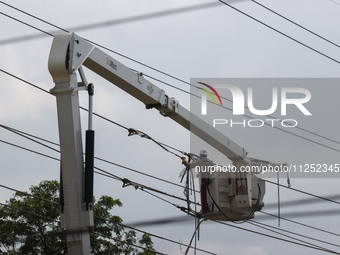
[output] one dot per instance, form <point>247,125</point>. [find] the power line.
<point>25,81</point>
<point>117,240</point>
<point>98,158</point>
<point>267,124</point>
<point>301,202</point>
<point>19,132</point>
<point>177,184</point>
<point>33,151</point>
<point>278,31</point>
<point>143,186</point>
<point>314,213</point>
<point>171,76</point>
<point>134,183</point>
<point>24,211</point>
<point>304,138</point>
<point>139,172</point>
<point>113,122</point>
<point>194,235</point>
<point>108,23</point>
<point>302,224</point>
<point>334,2</point>
<point>127,182</point>
<point>307,244</point>
<point>280,229</point>
<point>27,194</point>
<point>131,131</point>
<point>115,177</point>
<point>160,237</point>
<point>302,241</point>
<point>45,200</point>
<point>277,238</point>
<point>295,23</point>
<point>304,192</point>
<point>25,135</point>
<point>20,21</point>
<point>138,185</point>
<point>49,219</point>
<point>42,20</point>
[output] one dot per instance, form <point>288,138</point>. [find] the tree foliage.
<point>29,225</point>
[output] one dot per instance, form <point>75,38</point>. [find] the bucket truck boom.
<point>68,54</point>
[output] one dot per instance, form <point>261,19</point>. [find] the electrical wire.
<point>142,134</point>
<point>278,31</point>
<point>171,76</point>
<point>24,211</point>
<point>27,194</point>
<point>166,239</point>
<point>98,158</point>
<point>120,179</point>
<point>137,246</point>
<point>28,14</point>
<point>123,225</point>
<point>143,187</point>
<point>117,178</point>
<point>27,137</point>
<point>198,225</point>
<point>109,22</point>
<point>33,151</point>
<point>309,245</point>
<point>295,23</point>
<point>22,22</point>
<point>273,237</point>
<point>113,122</point>
<point>196,219</point>
<point>290,232</point>
<point>52,35</point>
<point>267,124</point>
<point>49,219</point>
<point>133,131</point>
<point>245,229</point>
<point>302,241</point>
<point>42,199</point>
<point>281,239</point>
<point>335,2</point>
<point>301,224</point>
<point>140,186</point>
<point>299,136</point>
<point>300,202</point>
<point>303,192</point>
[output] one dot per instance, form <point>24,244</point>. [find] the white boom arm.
<point>83,53</point>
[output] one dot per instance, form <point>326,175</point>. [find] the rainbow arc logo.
<point>209,93</point>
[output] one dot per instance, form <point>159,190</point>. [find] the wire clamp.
<point>132,131</point>
<point>126,182</point>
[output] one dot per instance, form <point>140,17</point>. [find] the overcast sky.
<point>216,42</point>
